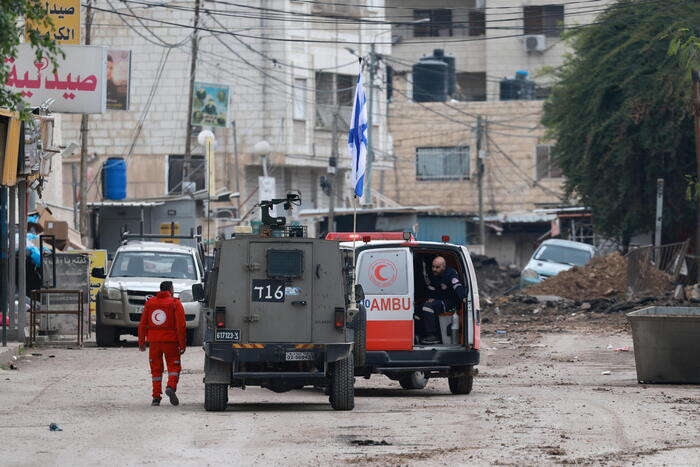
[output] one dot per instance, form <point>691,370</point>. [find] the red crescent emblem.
<point>383,273</point>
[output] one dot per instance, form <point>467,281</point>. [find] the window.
<point>471,86</point>
<point>335,89</point>
<point>477,23</point>
<point>197,173</point>
<point>546,166</point>
<point>154,264</point>
<point>332,91</point>
<point>543,19</point>
<point>285,263</point>
<point>299,98</point>
<point>439,24</point>
<point>442,163</point>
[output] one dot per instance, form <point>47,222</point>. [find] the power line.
<point>322,41</point>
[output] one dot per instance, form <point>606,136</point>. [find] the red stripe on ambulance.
<point>390,335</point>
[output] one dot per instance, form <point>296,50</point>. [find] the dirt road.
<point>540,398</point>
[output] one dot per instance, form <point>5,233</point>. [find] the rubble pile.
<point>603,277</point>
<point>494,279</point>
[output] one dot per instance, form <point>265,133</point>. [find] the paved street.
<point>539,398</point>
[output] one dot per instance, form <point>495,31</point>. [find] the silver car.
<point>135,275</point>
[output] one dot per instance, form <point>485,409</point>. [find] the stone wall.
<point>512,133</point>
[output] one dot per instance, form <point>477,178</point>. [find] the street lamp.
<point>262,148</point>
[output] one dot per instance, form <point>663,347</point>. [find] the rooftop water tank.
<point>439,54</point>
<point>114,178</point>
<point>430,80</point>
<point>519,88</point>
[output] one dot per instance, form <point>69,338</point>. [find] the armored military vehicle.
<point>278,314</point>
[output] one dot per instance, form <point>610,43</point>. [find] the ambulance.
<point>393,269</point>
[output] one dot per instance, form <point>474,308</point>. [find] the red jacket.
<point>163,320</point>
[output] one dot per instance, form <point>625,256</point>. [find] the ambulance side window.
<point>383,272</point>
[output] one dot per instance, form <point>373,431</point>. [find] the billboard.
<point>78,86</point>
<point>65,15</point>
<point>118,79</point>
<point>210,105</point>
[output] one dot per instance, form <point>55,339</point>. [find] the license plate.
<point>299,356</point>
<point>227,335</point>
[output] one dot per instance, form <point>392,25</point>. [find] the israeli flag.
<point>357,139</point>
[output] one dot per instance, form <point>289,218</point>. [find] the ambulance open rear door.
<point>386,275</point>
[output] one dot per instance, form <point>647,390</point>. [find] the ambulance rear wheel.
<point>342,387</point>
<point>215,397</point>
<point>415,380</point>
<point>461,384</point>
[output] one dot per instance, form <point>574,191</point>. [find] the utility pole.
<point>83,145</point>
<point>370,151</point>
<point>696,110</point>
<point>22,263</point>
<point>480,178</point>
<point>332,163</point>
<point>4,253</point>
<point>193,70</point>
<point>659,216</point>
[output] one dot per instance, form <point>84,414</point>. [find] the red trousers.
<point>156,352</point>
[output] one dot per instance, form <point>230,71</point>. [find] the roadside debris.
<point>626,348</point>
<point>494,280</point>
<point>369,442</point>
<point>54,427</point>
<point>603,277</point>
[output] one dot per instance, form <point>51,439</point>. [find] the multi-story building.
<point>291,69</point>
<point>435,143</point>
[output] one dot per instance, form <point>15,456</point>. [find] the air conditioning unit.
<point>535,43</point>
<point>480,4</point>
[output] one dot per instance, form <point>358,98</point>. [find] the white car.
<point>554,256</point>
<point>135,275</point>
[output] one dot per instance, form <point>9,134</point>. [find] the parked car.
<point>134,276</point>
<point>554,256</point>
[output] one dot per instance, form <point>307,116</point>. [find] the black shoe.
<point>155,401</point>
<point>170,392</point>
<point>430,339</point>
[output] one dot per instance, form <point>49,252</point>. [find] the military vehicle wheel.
<point>461,384</point>
<point>215,397</point>
<point>415,380</point>
<point>342,384</point>
<point>360,333</point>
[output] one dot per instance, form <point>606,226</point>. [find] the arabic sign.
<point>78,86</point>
<point>118,79</point>
<point>210,105</point>
<point>65,15</point>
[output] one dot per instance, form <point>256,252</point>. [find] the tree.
<point>12,28</point>
<point>621,117</point>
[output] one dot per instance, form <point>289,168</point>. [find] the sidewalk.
<point>6,353</point>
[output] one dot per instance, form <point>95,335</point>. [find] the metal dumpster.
<point>666,344</point>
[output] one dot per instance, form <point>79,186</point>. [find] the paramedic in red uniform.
<point>163,326</point>
<point>444,293</point>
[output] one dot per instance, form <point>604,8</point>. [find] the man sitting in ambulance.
<point>444,292</point>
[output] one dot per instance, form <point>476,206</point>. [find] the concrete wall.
<point>513,132</point>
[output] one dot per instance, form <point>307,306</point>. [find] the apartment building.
<point>290,68</point>
<point>489,39</point>
<point>436,144</point>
